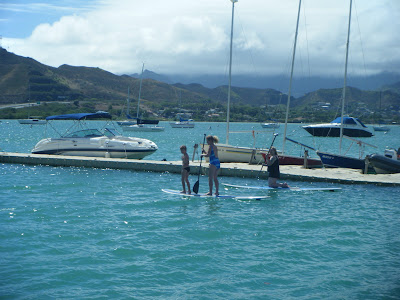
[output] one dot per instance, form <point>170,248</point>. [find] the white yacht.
<point>93,142</point>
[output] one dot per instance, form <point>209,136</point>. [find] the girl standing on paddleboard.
<point>185,169</point>
<point>214,164</point>
<point>273,170</point>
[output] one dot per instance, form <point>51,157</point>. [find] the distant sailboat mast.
<point>345,81</point>
<point>290,82</point>
<point>230,76</point>
<point>140,90</point>
<point>128,106</point>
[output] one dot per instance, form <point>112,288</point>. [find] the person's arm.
<point>208,153</point>
<point>271,160</point>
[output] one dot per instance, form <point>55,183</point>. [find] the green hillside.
<point>23,79</point>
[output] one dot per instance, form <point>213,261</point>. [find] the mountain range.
<point>23,79</point>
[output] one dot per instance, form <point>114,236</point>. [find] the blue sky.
<point>186,36</point>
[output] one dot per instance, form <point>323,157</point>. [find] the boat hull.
<point>298,161</point>
<point>232,154</point>
<point>143,128</point>
<point>341,161</point>
<point>383,164</point>
<point>118,147</point>
<point>32,122</point>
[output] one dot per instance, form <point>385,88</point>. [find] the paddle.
<point>269,150</point>
<point>196,185</point>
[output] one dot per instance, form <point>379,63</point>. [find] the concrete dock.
<point>295,173</point>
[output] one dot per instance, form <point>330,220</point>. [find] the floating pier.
<point>295,173</point>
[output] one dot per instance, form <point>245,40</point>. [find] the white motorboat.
<point>352,127</point>
<point>270,125</point>
<point>143,128</point>
<point>93,142</point>
<point>182,124</point>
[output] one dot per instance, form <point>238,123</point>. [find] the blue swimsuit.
<point>214,160</point>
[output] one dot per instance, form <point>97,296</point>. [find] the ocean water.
<point>100,233</point>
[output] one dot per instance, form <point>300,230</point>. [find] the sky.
<point>192,37</point>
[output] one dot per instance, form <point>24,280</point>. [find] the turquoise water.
<point>93,233</point>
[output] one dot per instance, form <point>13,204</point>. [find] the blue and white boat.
<point>93,142</point>
<point>352,127</point>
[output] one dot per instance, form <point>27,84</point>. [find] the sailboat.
<point>31,120</point>
<point>183,122</point>
<point>141,124</point>
<point>339,160</point>
<point>380,126</point>
<point>130,120</point>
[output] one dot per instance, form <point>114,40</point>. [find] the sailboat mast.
<point>230,75</point>
<point>140,90</point>
<point>128,105</point>
<point>345,80</point>
<point>291,78</point>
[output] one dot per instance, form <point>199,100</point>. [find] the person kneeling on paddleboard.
<point>273,170</point>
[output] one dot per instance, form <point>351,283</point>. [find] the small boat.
<point>381,128</point>
<point>270,125</point>
<point>143,128</point>
<point>352,127</point>
<point>385,164</point>
<point>182,124</point>
<point>93,142</point>
<point>32,121</point>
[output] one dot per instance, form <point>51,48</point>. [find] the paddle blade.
<point>196,187</point>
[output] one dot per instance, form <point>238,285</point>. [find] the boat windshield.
<point>109,132</point>
<point>362,124</point>
<point>87,133</point>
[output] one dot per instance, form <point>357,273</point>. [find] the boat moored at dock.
<point>93,142</point>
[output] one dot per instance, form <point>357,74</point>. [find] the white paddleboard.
<point>330,189</point>
<point>175,192</point>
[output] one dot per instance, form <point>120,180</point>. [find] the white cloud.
<point>193,37</point>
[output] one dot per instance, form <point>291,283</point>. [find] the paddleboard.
<point>175,192</point>
<point>330,189</point>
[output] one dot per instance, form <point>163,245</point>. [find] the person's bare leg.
<point>216,182</point>
<point>183,182</point>
<point>211,171</point>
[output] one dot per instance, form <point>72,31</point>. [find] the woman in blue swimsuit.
<point>214,164</point>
